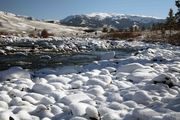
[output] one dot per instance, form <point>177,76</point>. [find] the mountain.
<point>119,21</point>
<point>11,23</point>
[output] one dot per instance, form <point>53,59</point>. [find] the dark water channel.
<point>34,61</point>
<point>43,58</point>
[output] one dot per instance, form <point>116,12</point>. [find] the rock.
<point>55,109</point>
<point>118,106</point>
<point>42,111</point>
<point>68,70</point>
<point>172,116</point>
<point>102,80</point>
<point>4,105</point>
<point>166,78</point>
<point>111,69</point>
<point>159,59</point>
<point>59,86</point>
<point>130,104</point>
<point>105,78</point>
<point>142,97</point>
<point>57,95</point>
<point>4,97</point>
<point>105,110</point>
<point>6,115</point>
<point>174,104</point>
<point>123,84</point>
<point>96,81</point>
<point>141,74</point>
<point>24,115</point>
<point>43,88</point>
<point>78,118</point>
<point>35,96</point>
<point>74,98</point>
<point>92,113</point>
<point>30,100</point>
<point>96,90</point>
<point>129,68</point>
<point>174,69</point>
<point>144,114</point>
<point>111,116</point>
<point>114,97</point>
<point>47,101</point>
<point>14,73</point>
<point>60,79</point>
<point>78,109</point>
<point>76,84</point>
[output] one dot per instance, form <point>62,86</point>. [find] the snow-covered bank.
<point>142,86</point>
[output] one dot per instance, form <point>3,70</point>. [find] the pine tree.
<point>170,21</point>
<point>178,13</point>
<point>104,29</point>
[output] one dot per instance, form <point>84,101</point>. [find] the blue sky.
<point>58,9</point>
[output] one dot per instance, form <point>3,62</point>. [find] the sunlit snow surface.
<point>144,85</point>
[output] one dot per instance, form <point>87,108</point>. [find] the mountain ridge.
<point>119,21</point>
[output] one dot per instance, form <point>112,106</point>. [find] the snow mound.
<point>75,98</point>
<point>43,88</point>
<point>129,68</point>
<point>13,73</point>
<point>142,97</point>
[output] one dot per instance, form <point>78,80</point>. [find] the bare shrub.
<point>4,33</point>
<point>105,29</point>
<point>45,34</point>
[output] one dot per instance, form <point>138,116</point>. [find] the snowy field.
<point>142,85</point>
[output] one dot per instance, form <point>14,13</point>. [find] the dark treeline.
<point>170,29</point>
<point>172,21</point>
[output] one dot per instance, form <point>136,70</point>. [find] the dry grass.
<point>174,39</point>
<point>121,35</point>
<point>4,33</point>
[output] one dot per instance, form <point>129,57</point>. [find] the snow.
<point>43,88</point>
<point>14,23</point>
<point>75,98</point>
<point>146,113</point>
<point>13,73</point>
<point>128,88</point>
<point>92,112</point>
<point>115,15</point>
<point>142,97</point>
<point>78,109</point>
<point>129,68</point>
<point>107,55</point>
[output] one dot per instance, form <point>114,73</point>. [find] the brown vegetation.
<point>40,33</point>
<point>121,35</point>
<point>4,33</point>
<point>45,34</point>
<point>175,39</point>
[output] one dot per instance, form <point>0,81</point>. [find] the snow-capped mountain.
<point>120,21</point>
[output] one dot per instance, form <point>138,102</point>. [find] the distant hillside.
<point>12,23</point>
<point>119,21</point>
